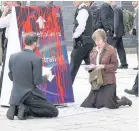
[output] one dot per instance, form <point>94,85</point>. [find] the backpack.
<point>128,20</point>
<point>96,19</point>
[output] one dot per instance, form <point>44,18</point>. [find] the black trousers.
<point>135,86</point>
<point>110,38</point>
<point>39,107</point>
<point>118,44</point>
<point>3,60</point>
<point>135,41</point>
<point>77,56</point>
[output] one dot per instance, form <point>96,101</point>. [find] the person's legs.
<point>39,107</point>
<point>77,56</point>
<point>110,39</point>
<point>1,53</point>
<point>12,111</point>
<point>121,53</point>
<point>124,101</point>
<point>111,100</point>
<point>135,41</point>
<point>87,59</point>
<point>134,90</point>
<point>76,60</point>
<point>135,86</point>
<point>3,60</point>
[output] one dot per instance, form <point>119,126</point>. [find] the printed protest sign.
<point>47,23</point>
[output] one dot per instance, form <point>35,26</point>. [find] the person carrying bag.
<point>95,79</point>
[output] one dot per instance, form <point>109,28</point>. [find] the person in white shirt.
<point>5,23</point>
<point>5,18</point>
<point>82,33</point>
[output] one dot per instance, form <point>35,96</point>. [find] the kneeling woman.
<point>105,58</point>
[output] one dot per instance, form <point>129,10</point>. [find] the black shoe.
<point>122,67</point>
<point>135,68</point>
<point>22,112</point>
<point>127,101</point>
<point>11,112</point>
<point>117,98</point>
<point>131,92</point>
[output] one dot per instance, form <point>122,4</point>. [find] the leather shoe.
<point>123,67</point>
<point>136,68</point>
<point>128,102</point>
<point>131,92</point>
<point>22,112</point>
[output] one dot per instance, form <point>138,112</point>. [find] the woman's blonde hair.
<point>99,33</point>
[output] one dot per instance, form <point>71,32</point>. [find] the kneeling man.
<point>26,73</point>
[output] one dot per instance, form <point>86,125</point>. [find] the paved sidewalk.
<point>74,118</point>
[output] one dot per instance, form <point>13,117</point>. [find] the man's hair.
<point>30,38</point>
<point>90,2</point>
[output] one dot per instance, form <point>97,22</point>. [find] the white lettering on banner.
<point>49,59</point>
<point>46,34</point>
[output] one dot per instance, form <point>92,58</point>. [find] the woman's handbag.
<point>95,79</point>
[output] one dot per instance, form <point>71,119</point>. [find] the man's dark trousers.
<point>39,107</point>
<point>3,59</point>
<point>110,38</point>
<point>77,56</point>
<point>118,44</point>
<point>135,86</point>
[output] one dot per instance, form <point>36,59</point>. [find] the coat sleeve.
<point>10,69</point>
<point>104,12</point>
<point>113,65</point>
<point>116,20</point>
<point>37,72</point>
<point>5,21</point>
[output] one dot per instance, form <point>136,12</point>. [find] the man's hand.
<point>98,67</point>
<point>114,35</point>
<point>133,31</point>
<point>44,78</point>
<point>7,9</point>
<point>46,72</point>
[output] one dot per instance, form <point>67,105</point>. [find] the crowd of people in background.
<point>97,34</point>
<point>102,28</point>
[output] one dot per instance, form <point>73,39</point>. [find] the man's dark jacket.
<point>118,22</point>
<point>26,73</point>
<point>107,17</point>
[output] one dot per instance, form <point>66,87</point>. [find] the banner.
<point>47,23</point>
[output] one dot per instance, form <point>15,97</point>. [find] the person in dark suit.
<point>82,41</point>
<point>25,70</point>
<point>118,33</point>
<point>107,19</point>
